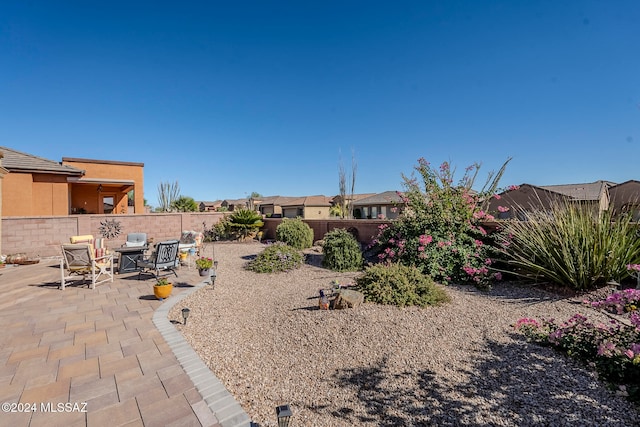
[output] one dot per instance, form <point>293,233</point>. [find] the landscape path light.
<point>213,278</point>
<point>185,314</point>
<point>284,415</point>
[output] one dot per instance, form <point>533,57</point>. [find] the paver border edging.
<point>222,403</point>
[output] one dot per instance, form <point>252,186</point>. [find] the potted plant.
<point>162,289</point>
<point>204,264</point>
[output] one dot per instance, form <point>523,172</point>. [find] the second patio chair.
<point>78,259</point>
<point>163,258</point>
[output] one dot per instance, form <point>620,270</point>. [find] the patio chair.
<point>164,257</point>
<point>78,259</point>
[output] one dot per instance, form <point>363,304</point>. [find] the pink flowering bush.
<point>613,349</point>
<point>622,302</point>
<point>440,231</point>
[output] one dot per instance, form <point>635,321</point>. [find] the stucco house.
<point>271,206</point>
<point>206,206</point>
<point>518,200</point>
<point>387,205</point>
<point>307,207</point>
<point>625,197</point>
<point>34,186</point>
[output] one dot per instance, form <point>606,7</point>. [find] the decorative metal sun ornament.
<point>109,228</point>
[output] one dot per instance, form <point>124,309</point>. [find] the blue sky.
<point>227,98</point>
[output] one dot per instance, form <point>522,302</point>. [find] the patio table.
<point>128,257</point>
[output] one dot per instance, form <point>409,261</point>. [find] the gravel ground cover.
<point>460,364</point>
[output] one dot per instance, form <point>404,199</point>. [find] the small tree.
<point>346,200</point>
<point>185,204</point>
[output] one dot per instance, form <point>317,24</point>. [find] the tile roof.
<point>586,191</point>
<point>354,197</point>
<point>17,161</point>
<point>308,201</point>
<point>384,198</point>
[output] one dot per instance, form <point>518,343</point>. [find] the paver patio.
<point>112,348</point>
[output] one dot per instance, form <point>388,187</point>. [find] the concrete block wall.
<point>42,236</point>
<point>36,236</point>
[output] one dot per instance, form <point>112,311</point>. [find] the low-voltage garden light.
<point>284,415</point>
<point>213,278</point>
<point>185,314</point>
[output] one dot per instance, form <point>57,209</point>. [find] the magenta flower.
<point>526,321</point>
<point>607,349</point>
<point>503,209</point>
<point>633,267</point>
<point>425,240</point>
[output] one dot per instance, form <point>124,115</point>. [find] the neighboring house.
<point>34,186</point>
<point>625,197</point>
<point>271,206</point>
<point>209,206</point>
<point>308,207</point>
<point>233,204</point>
<point>349,199</point>
<point>518,200</point>
<point>387,205</point>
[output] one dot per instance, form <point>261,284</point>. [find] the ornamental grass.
<point>571,245</point>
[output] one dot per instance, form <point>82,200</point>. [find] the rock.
<point>348,298</point>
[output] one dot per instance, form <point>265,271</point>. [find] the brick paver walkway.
<point>103,353</point>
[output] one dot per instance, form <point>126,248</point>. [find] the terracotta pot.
<point>162,292</point>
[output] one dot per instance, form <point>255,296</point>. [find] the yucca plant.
<point>245,222</point>
<point>571,245</point>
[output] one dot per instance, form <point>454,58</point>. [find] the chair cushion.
<point>97,245</point>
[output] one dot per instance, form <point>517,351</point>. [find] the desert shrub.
<point>439,230</point>
<point>400,285</point>
<point>276,258</point>
<point>571,245</point>
<point>245,222</point>
<point>341,251</point>
<point>221,230</point>
<point>294,232</point>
